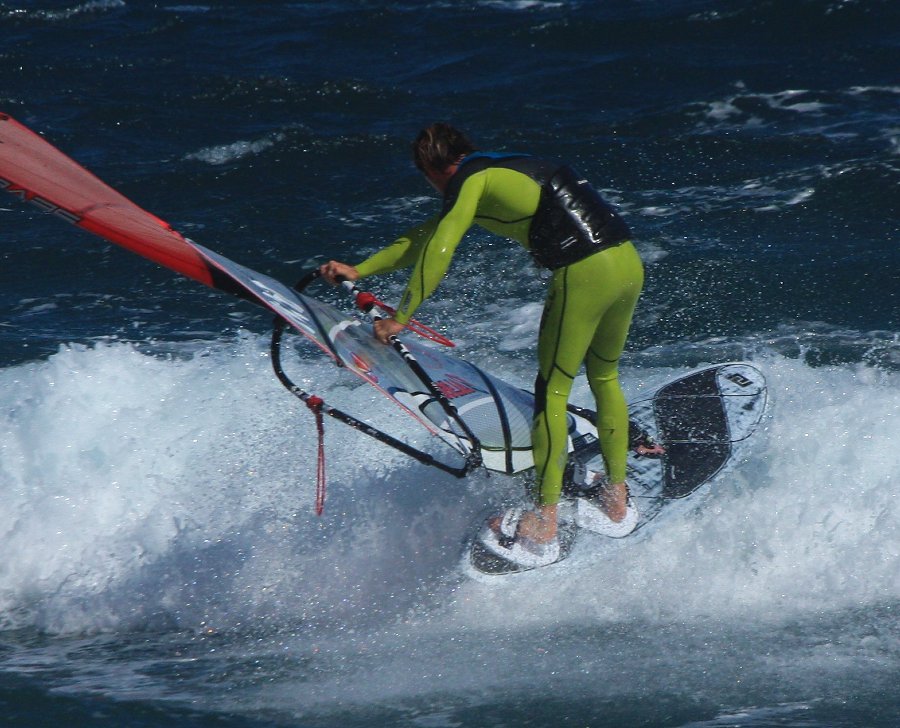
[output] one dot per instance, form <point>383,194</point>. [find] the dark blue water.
<point>162,564</point>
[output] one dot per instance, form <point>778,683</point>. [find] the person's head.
<point>440,146</point>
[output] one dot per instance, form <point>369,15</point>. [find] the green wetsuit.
<point>597,278</point>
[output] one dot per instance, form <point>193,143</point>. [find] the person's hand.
<point>332,270</point>
<point>386,328</point>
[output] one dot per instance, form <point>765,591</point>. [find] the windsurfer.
<point>597,277</point>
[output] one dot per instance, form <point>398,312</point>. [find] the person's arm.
<point>437,252</point>
<point>402,253</point>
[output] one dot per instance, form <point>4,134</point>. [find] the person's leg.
<point>579,298</point>
<point>564,337</point>
<point>602,363</point>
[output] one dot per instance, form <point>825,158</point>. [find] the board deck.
<point>702,419</point>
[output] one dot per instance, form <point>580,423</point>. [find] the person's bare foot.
<point>614,501</point>
<point>538,525</point>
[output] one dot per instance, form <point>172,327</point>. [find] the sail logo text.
<point>454,386</point>
<point>39,202</point>
<point>291,310</point>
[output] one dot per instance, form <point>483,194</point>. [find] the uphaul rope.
<point>319,407</point>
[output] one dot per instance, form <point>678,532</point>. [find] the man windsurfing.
<point>597,276</point>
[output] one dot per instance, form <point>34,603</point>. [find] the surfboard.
<point>703,420</point>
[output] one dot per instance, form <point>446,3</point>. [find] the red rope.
<point>315,404</point>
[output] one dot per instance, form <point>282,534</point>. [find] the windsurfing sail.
<point>494,414</point>
<point>35,171</point>
<point>498,414</point>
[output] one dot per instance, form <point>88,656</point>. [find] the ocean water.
<point>161,560</point>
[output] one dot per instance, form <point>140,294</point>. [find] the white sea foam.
<point>521,4</point>
<point>762,194</point>
<point>521,328</point>
<point>92,6</point>
<point>188,8</point>
<point>144,490</point>
<point>225,153</point>
<point>137,489</point>
<point>784,534</point>
<point>748,109</point>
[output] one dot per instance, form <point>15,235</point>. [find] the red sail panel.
<point>35,171</point>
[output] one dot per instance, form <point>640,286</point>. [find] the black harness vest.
<point>572,220</point>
